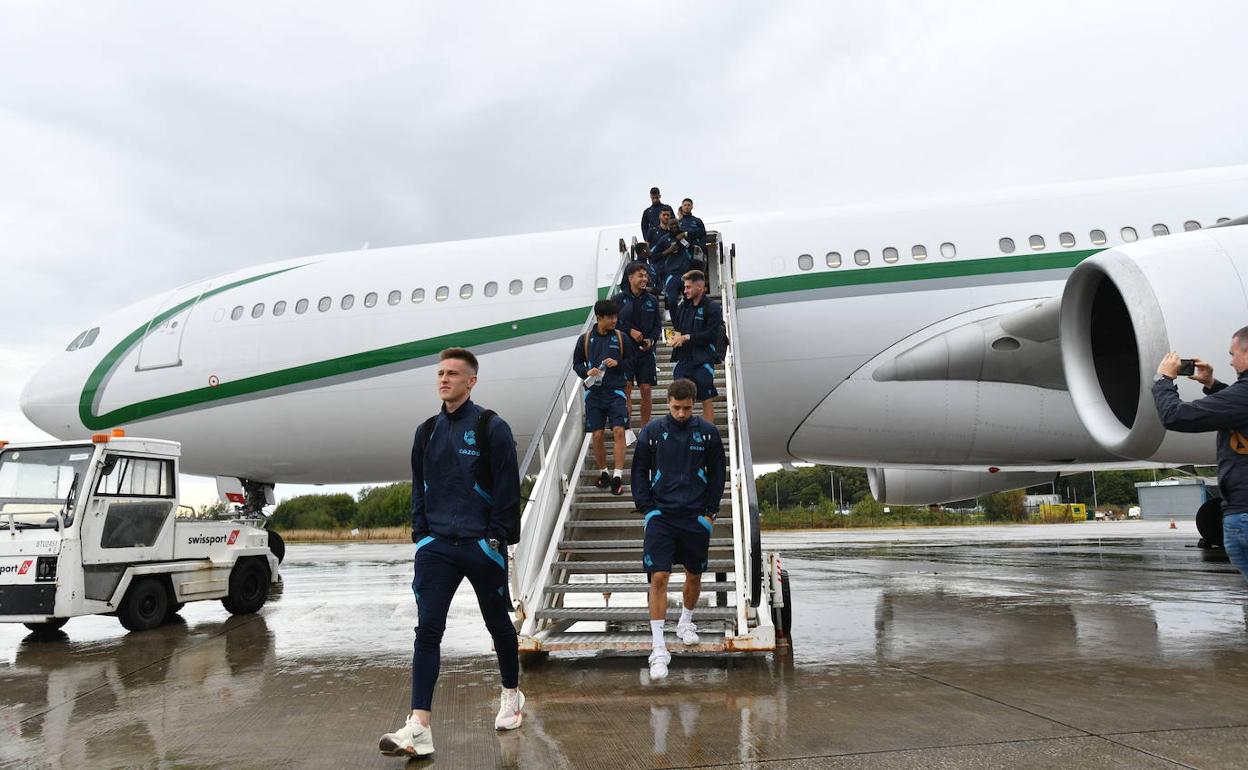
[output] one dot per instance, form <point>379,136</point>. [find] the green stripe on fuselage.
<point>572,318</point>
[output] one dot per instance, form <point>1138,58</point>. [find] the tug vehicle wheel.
<point>277,545</point>
<point>174,609</point>
<point>48,627</point>
<point>249,587</point>
<point>145,606</point>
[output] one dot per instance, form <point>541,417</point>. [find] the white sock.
<point>686,615</point>
<point>656,633</point>
<point>618,473</point>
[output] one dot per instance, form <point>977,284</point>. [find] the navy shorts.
<point>703,375</point>
<point>645,370</point>
<point>604,410</point>
<point>676,539</point>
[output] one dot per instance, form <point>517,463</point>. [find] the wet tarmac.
<point>1097,645</point>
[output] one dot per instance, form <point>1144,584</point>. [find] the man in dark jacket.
<point>462,511</point>
<point>650,215</point>
<point>641,324</point>
<point>1224,409</point>
<point>672,258</point>
<point>678,482</point>
<point>601,358</point>
<point>698,322</point>
<point>694,229</point>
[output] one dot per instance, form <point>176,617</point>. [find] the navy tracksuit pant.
<point>441,565</point>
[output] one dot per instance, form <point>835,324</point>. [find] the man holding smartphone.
<point>1223,409</point>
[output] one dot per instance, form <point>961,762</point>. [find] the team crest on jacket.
<point>470,438</point>
<point>697,437</point>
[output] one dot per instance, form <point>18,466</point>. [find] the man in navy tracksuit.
<point>672,258</point>
<point>465,510</point>
<point>693,227</point>
<point>650,216</point>
<point>1224,409</point>
<point>641,324</point>
<point>698,322</point>
<point>678,482</point>
<point>600,359</point>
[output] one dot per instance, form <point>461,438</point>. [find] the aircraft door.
<point>614,244</point>
<point>162,344</point>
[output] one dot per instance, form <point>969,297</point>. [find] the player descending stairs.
<point>579,578</point>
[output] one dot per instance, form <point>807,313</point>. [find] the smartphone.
<point>1187,367</point>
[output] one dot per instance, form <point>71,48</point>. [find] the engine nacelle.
<point>1125,308</point>
<point>909,486</point>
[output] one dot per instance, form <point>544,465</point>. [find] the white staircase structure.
<point>577,576</point>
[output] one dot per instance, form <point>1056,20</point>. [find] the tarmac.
<point>1092,645</point>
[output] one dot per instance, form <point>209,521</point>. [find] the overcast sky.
<point>143,145</point>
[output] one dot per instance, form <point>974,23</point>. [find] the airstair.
<point>577,575</point>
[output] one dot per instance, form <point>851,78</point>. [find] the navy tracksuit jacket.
<point>447,500</point>
<point>640,313</point>
<point>702,322</point>
<point>678,468</point>
<point>650,219</point>
<point>602,347</point>
<point>1224,409</point>
<point>696,231</point>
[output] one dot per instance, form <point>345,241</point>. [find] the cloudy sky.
<point>145,144</point>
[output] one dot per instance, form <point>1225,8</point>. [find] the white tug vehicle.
<point>92,527</point>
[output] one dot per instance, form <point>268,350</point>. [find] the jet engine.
<point>1125,308</point>
<point>911,486</point>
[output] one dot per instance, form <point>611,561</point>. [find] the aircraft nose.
<point>49,400</point>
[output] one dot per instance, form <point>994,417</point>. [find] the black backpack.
<point>485,477</point>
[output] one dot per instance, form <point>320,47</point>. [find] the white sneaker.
<point>411,740</point>
<point>658,664</point>
<point>687,632</point>
<point>509,710</point>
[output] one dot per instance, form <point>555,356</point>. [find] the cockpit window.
<point>90,338</point>
<point>77,341</point>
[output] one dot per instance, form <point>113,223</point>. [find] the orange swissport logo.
<point>22,570</point>
<point>233,537</point>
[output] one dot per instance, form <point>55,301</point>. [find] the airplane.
<point>954,346</point>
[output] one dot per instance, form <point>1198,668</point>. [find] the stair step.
<point>634,523</point>
<point>625,545</point>
<point>619,614</point>
<point>627,566</point>
<point>634,641</point>
<point>708,586</point>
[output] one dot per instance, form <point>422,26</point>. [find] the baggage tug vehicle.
<point>93,527</point>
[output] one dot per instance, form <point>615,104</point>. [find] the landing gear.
<point>256,495</point>
<point>1209,524</point>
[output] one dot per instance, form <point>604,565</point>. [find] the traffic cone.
<point>1172,526</point>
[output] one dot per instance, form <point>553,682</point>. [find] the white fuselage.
<point>334,395</point>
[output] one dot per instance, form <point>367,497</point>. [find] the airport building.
<point>1177,497</point>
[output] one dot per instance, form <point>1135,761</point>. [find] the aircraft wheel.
<point>277,545</point>
<point>145,606</point>
<point>249,587</point>
<point>1209,523</point>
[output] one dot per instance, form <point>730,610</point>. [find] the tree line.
<point>372,508</point>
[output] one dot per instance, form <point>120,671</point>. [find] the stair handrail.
<point>545,499</point>
<point>745,509</point>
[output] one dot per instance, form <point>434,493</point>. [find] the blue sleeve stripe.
<point>495,556</point>
<point>657,475</point>
<point>710,369</point>
<point>424,541</point>
<point>702,474</point>
<point>621,394</point>
<point>650,516</point>
<point>485,495</point>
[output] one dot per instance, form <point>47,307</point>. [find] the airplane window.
<point>516,286</point>
<point>418,295</point>
<point>539,284</point>
<point>394,297</point>
<point>833,259</point>
<point>370,299</point>
<point>805,261</point>
<point>1160,229</point>
<point>919,253</point>
<point>1036,242</point>
<point>1066,239</point>
<point>565,282</point>
<point>1098,237</point>
<point>442,293</point>
<point>77,341</point>
<point>862,257</point>
<point>1006,245</point>
<point>325,303</point>
<point>1223,219</point>
<point>1128,234</point>
<point>348,301</point>
<point>491,288</point>
<point>948,250</point>
<point>257,310</point>
<point>465,291</point>
<point>236,313</point>
<point>279,307</point>
<point>1191,225</point>
<point>890,254</point>
<point>301,306</point>
<point>90,338</point>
